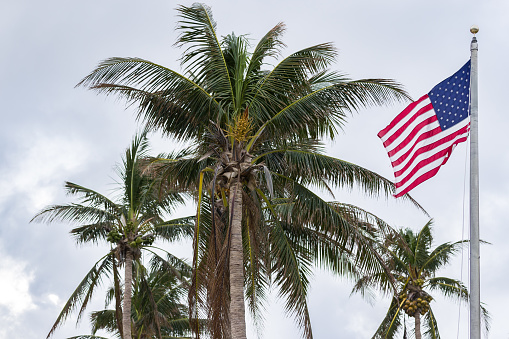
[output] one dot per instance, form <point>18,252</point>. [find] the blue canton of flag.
<point>450,98</point>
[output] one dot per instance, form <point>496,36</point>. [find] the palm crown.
<point>412,264</point>
<point>256,150</point>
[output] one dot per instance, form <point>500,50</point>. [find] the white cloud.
<point>33,171</point>
<point>15,286</point>
<point>54,299</point>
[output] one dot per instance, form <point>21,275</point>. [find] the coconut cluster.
<point>413,299</point>
<point>115,237</point>
<point>141,241</point>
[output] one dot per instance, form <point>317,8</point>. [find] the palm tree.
<point>411,280</point>
<point>255,153</point>
<point>130,225</point>
<point>157,311</point>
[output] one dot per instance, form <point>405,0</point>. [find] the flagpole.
<point>475,299</point>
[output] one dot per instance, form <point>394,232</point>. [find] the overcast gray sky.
<point>52,132</point>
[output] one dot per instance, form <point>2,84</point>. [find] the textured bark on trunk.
<point>237,308</point>
<point>118,300</point>
<point>417,326</point>
<point>128,282</point>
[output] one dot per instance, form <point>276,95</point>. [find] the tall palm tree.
<point>412,280</point>
<point>130,224</point>
<point>256,151</point>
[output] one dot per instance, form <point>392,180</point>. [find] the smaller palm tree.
<point>411,265</point>
<point>130,224</point>
<point>157,311</point>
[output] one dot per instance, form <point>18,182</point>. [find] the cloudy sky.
<point>53,132</point>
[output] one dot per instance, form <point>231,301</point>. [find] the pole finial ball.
<point>474,29</point>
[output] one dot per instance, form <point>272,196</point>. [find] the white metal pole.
<point>475,300</point>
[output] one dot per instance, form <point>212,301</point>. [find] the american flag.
<point>421,138</point>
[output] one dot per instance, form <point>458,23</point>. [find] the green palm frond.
<point>181,172</point>
<point>72,212</point>
<point>291,270</point>
<point>109,295</point>
<point>422,245</point>
<point>451,288</point>
<point>288,80</point>
<point>146,300</point>
<point>237,59</point>
<point>317,112</point>
<point>279,146</point>
<point>166,99</point>
<point>103,320</point>
<point>311,167</point>
<point>431,326</point>
<point>255,266</point>
<point>441,254</point>
<point>326,250</point>
<point>91,233</point>
<point>180,325</point>
<point>135,186</point>
<point>346,227</point>
<point>391,323</point>
<point>307,166</point>
<point>268,46</point>
<point>203,54</point>
<point>366,285</point>
<point>178,267</point>
<point>156,308</point>
<point>290,266</point>
<point>308,116</point>
<point>83,293</point>
<point>361,93</point>
<point>175,229</point>
<point>90,197</point>
<point>93,207</point>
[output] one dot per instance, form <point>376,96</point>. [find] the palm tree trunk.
<point>417,326</point>
<point>237,308</point>
<point>118,301</point>
<point>128,282</point>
